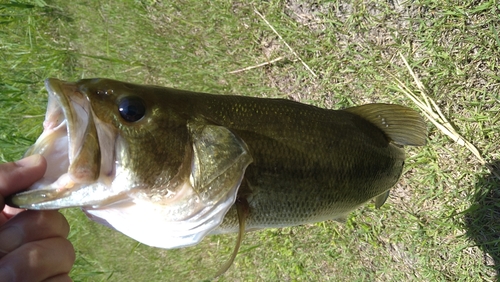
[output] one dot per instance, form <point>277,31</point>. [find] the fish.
<point>168,167</point>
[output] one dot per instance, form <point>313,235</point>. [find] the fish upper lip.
<point>81,154</point>
<point>48,122</point>
<point>67,117</point>
<point>75,109</point>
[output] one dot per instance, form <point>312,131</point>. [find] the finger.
<point>30,226</point>
<point>16,176</point>
<point>8,213</point>
<point>38,260</point>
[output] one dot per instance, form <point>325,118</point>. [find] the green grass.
<point>442,220</point>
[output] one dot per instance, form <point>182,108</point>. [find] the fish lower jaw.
<point>181,220</point>
<point>146,223</point>
<point>56,191</point>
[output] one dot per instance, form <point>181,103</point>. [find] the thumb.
<point>17,176</point>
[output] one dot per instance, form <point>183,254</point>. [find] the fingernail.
<point>30,161</point>
<point>10,239</point>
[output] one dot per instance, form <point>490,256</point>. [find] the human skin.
<point>33,244</point>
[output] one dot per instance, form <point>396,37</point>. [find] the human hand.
<point>33,244</point>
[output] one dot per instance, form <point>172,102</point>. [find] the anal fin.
<point>380,199</point>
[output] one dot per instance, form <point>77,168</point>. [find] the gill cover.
<point>218,164</point>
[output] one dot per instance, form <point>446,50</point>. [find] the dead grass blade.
<point>431,110</point>
<point>290,48</point>
<point>257,66</point>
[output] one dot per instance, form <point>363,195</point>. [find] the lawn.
<point>442,220</point>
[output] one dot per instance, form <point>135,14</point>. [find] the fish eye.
<point>131,109</point>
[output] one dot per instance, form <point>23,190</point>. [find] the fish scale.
<point>176,165</point>
<point>290,162</point>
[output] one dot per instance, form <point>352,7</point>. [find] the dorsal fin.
<point>401,124</point>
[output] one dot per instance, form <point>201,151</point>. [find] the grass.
<point>442,220</point>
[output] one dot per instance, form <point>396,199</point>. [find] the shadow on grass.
<point>483,217</point>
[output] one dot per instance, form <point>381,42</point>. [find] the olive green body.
<point>309,164</point>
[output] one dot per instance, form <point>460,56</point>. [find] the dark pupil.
<point>131,108</point>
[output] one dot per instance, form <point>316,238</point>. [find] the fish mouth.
<point>90,165</point>
<point>72,148</point>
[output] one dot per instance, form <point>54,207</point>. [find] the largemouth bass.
<point>168,167</point>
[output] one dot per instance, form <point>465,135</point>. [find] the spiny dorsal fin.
<point>401,124</point>
<point>242,210</point>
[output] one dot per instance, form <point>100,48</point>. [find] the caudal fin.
<point>401,124</point>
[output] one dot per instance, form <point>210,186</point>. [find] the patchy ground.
<point>442,219</point>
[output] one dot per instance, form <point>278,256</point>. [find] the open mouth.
<point>89,166</point>
<point>70,144</point>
